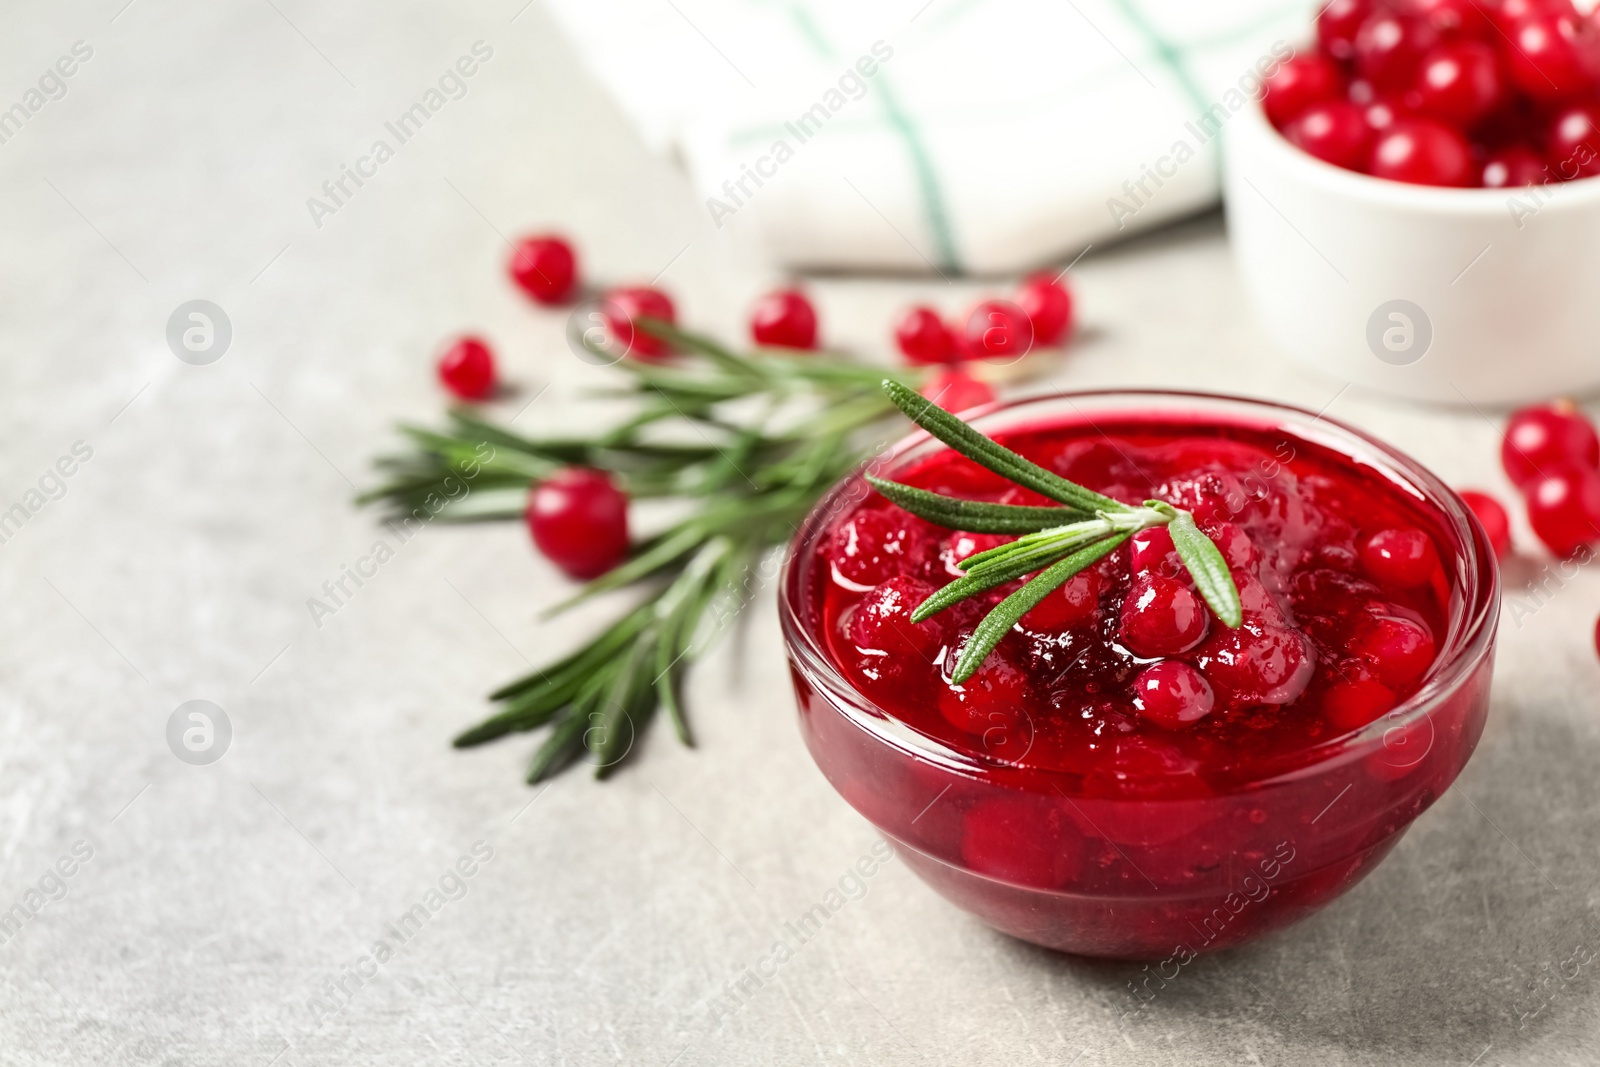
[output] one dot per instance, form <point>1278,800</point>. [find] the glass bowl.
<point>1141,875</point>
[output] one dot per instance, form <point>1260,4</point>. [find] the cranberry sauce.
<point>1123,676</point>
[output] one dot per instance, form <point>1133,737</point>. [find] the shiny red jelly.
<point>1126,776</point>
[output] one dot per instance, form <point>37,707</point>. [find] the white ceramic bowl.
<point>1481,296</point>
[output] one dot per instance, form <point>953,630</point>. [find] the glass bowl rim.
<point>1466,644</point>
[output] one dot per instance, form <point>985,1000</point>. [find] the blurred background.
<point>217,911</point>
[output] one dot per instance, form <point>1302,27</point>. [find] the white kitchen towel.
<point>947,135</point>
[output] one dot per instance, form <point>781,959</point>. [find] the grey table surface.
<point>221,905</point>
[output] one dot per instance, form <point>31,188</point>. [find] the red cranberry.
<point>1151,551</point>
<point>1543,439</point>
<point>1388,49</point>
<point>870,548</point>
<point>1512,167</point>
<point>994,696</point>
<point>1300,82</point>
<point>1379,113</point>
<point>1048,305</point>
<point>1459,82</point>
<point>1075,603</point>
<point>622,306</point>
<point>545,268</point>
<point>1172,694</point>
<point>1254,600</point>
<point>1399,650</point>
<point>1564,510</point>
<point>784,319</point>
<point>579,519</point>
<point>1400,558</point>
<point>1573,142</point>
<point>1161,617</point>
<point>961,545</point>
<point>1335,131</point>
<point>998,329</point>
<point>956,390</point>
<point>467,369</point>
<point>1337,24</point>
<point>1258,663</point>
<point>1423,152</point>
<point>1552,56</point>
<point>1357,698</point>
<point>1452,18</point>
<point>882,626</point>
<point>1494,519</point>
<point>1022,840</point>
<point>924,338</point>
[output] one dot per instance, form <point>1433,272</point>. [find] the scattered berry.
<point>1048,305</point>
<point>784,319</point>
<point>467,369</point>
<point>924,338</point>
<point>998,329</point>
<point>1494,519</point>
<point>622,306</point>
<point>545,268</point>
<point>1564,510</point>
<point>1172,694</point>
<point>579,520</point>
<point>1542,440</point>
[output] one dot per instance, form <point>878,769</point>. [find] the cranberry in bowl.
<point>1126,775</point>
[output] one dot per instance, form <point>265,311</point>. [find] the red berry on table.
<point>1172,694</point>
<point>1075,603</point>
<point>998,329</point>
<point>1048,305</point>
<point>545,268</point>
<point>1512,167</point>
<point>1543,439</point>
<point>1399,558</point>
<point>1459,82</point>
<point>579,520</point>
<point>1161,617</point>
<point>1572,144</point>
<point>622,306</point>
<point>1493,518</point>
<point>869,549</point>
<point>1423,152</point>
<point>1300,82</point>
<point>1335,131</point>
<point>784,319</point>
<point>1388,49</point>
<point>1553,57</point>
<point>882,622</point>
<point>467,369</point>
<point>1564,510</point>
<point>956,390</point>
<point>1337,24</point>
<point>924,338</point>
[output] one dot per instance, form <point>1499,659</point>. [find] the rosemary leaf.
<point>996,457</point>
<point>1210,571</point>
<point>973,515</point>
<point>999,621</point>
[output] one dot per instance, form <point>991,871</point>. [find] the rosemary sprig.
<point>1056,542</point>
<point>747,443</point>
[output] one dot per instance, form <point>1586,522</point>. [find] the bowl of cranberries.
<point>1410,200</point>
<point>1126,776</point>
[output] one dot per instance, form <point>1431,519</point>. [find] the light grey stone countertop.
<point>209,907</point>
